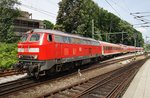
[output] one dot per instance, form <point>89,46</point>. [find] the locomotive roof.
<point>55,32</point>
<point>107,43</point>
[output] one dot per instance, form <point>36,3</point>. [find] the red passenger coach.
<point>110,49</point>
<point>42,51</point>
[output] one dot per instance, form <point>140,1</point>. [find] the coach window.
<point>49,38</point>
<point>105,47</point>
<point>110,48</point>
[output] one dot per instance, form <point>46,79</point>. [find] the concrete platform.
<point>140,86</point>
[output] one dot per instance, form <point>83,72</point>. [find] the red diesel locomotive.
<point>44,51</point>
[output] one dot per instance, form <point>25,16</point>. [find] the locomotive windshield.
<point>35,37</point>
<point>24,37</point>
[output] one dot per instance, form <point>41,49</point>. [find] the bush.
<point>8,55</point>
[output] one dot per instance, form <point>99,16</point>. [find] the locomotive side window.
<point>58,38</point>
<point>95,43</point>
<point>49,38</point>
<point>65,39</point>
<point>83,42</point>
<point>77,41</point>
<point>24,37</point>
<point>35,37</point>
<point>69,39</point>
<point>73,40</point>
<point>88,42</point>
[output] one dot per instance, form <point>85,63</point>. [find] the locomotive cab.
<point>29,55</point>
<point>29,47</point>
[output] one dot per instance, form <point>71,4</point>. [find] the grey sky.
<point>123,8</point>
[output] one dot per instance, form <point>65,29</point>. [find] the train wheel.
<point>28,73</point>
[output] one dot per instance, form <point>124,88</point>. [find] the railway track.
<point>109,85</point>
<point>10,72</point>
<point>25,83</point>
<point>13,86</point>
<point>15,72</point>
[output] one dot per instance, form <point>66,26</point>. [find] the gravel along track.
<point>108,85</point>
<point>12,78</point>
<point>11,75</point>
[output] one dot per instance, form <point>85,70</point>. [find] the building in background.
<point>25,23</point>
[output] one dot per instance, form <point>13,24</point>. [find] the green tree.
<point>75,16</point>
<point>7,15</point>
<point>48,24</point>
<point>147,47</point>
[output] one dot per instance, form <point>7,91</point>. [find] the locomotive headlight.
<point>35,56</point>
<point>19,56</point>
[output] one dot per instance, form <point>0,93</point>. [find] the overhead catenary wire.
<point>140,17</point>
<point>127,6</point>
<point>52,2</point>
<point>140,12</point>
<point>129,10</point>
<point>39,10</point>
<point>126,10</point>
<point>113,8</point>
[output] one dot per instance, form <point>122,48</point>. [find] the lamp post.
<point>122,37</point>
<point>135,35</point>
<point>146,43</point>
<point>92,28</point>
